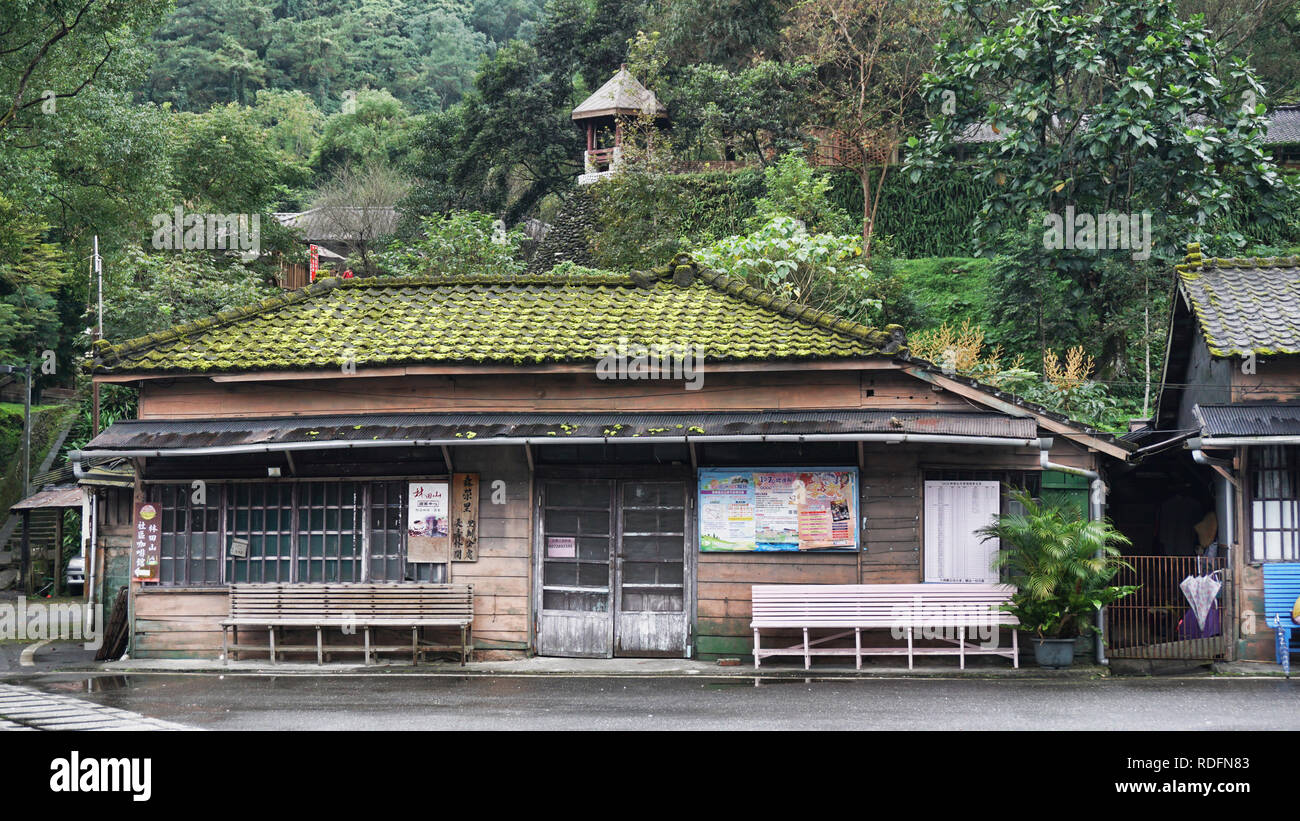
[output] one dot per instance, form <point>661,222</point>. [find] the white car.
<point>74,578</point>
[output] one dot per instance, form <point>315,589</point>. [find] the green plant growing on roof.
<point>822,271</point>
<point>463,243</point>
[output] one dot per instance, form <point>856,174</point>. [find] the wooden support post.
<point>909,648</point>
<point>25,554</point>
<point>58,550</point>
<point>320,650</point>
<point>367,631</point>
<point>755,648</point>
<point>961,645</point>
<point>857,645</point>
<point>271,633</point>
<point>807,653</point>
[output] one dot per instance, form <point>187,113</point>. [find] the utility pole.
<point>97,332</point>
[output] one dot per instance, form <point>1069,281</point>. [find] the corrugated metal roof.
<point>191,433</point>
<point>69,496</point>
<point>1249,420</point>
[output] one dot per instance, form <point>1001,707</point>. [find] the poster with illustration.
<point>770,509</point>
<point>427,535</point>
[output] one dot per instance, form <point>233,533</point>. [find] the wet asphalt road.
<point>402,702</point>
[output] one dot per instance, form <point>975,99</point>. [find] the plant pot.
<point>1054,653</point>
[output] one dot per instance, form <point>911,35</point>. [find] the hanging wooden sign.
<point>464,517</point>
<point>145,542</point>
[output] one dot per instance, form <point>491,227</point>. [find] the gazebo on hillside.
<point>622,96</point>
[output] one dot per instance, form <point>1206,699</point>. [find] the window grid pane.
<point>1275,508</point>
<point>296,532</point>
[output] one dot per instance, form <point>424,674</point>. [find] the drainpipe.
<point>1096,511</point>
<point>1228,481</point>
<point>88,554</point>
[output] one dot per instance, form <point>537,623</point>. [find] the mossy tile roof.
<point>544,318</point>
<point>1244,306</point>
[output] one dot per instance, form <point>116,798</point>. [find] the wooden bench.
<point>348,607</point>
<point>940,611</point>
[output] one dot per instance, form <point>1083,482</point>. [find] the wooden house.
<point>1230,401</point>
<point>641,449</point>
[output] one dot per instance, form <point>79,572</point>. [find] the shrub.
<point>461,243</point>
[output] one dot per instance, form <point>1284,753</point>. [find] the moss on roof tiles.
<point>529,318</point>
<point>1244,305</point>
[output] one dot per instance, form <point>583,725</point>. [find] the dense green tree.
<point>752,112</point>
<point>51,51</point>
<point>374,127</point>
<point>31,273</point>
<point>222,160</point>
<point>146,291</point>
<point>726,33</point>
<point>424,53</point>
<point>1102,107</point>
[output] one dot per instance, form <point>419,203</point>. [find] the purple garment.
<point>1189,629</point>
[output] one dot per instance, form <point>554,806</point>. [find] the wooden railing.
<point>601,156</point>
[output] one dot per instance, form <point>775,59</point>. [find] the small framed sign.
<point>238,548</point>
<point>561,547</point>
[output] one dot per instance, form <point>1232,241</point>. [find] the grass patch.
<point>947,289</point>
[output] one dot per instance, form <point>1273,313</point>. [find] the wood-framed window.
<point>296,532</point>
<point>190,543</point>
<point>1275,503</point>
<point>262,514</point>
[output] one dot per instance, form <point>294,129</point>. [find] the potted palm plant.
<point>1062,567</point>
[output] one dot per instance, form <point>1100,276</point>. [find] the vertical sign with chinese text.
<point>464,517</point>
<point>145,541</point>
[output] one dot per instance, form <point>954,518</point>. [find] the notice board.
<point>769,509</point>
<point>954,510</point>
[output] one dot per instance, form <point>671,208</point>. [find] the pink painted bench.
<point>929,611</point>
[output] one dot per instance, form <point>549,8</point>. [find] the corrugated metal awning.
<point>1249,420</point>
<point>64,496</point>
<point>478,428</point>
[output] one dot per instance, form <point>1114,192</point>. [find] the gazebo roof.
<point>622,94</point>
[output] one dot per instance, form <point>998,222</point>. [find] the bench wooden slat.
<point>851,608</point>
<point>348,605</point>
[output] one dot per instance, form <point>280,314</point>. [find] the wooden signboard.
<point>464,517</point>
<point>145,542</point>
<point>427,538</point>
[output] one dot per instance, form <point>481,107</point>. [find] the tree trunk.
<point>868,212</point>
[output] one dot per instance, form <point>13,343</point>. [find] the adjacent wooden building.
<point>1231,404</point>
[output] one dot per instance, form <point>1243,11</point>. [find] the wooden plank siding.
<point>501,575</point>
<point>1276,379</point>
<point>169,623</point>
<point>525,392</point>
<point>891,502</point>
